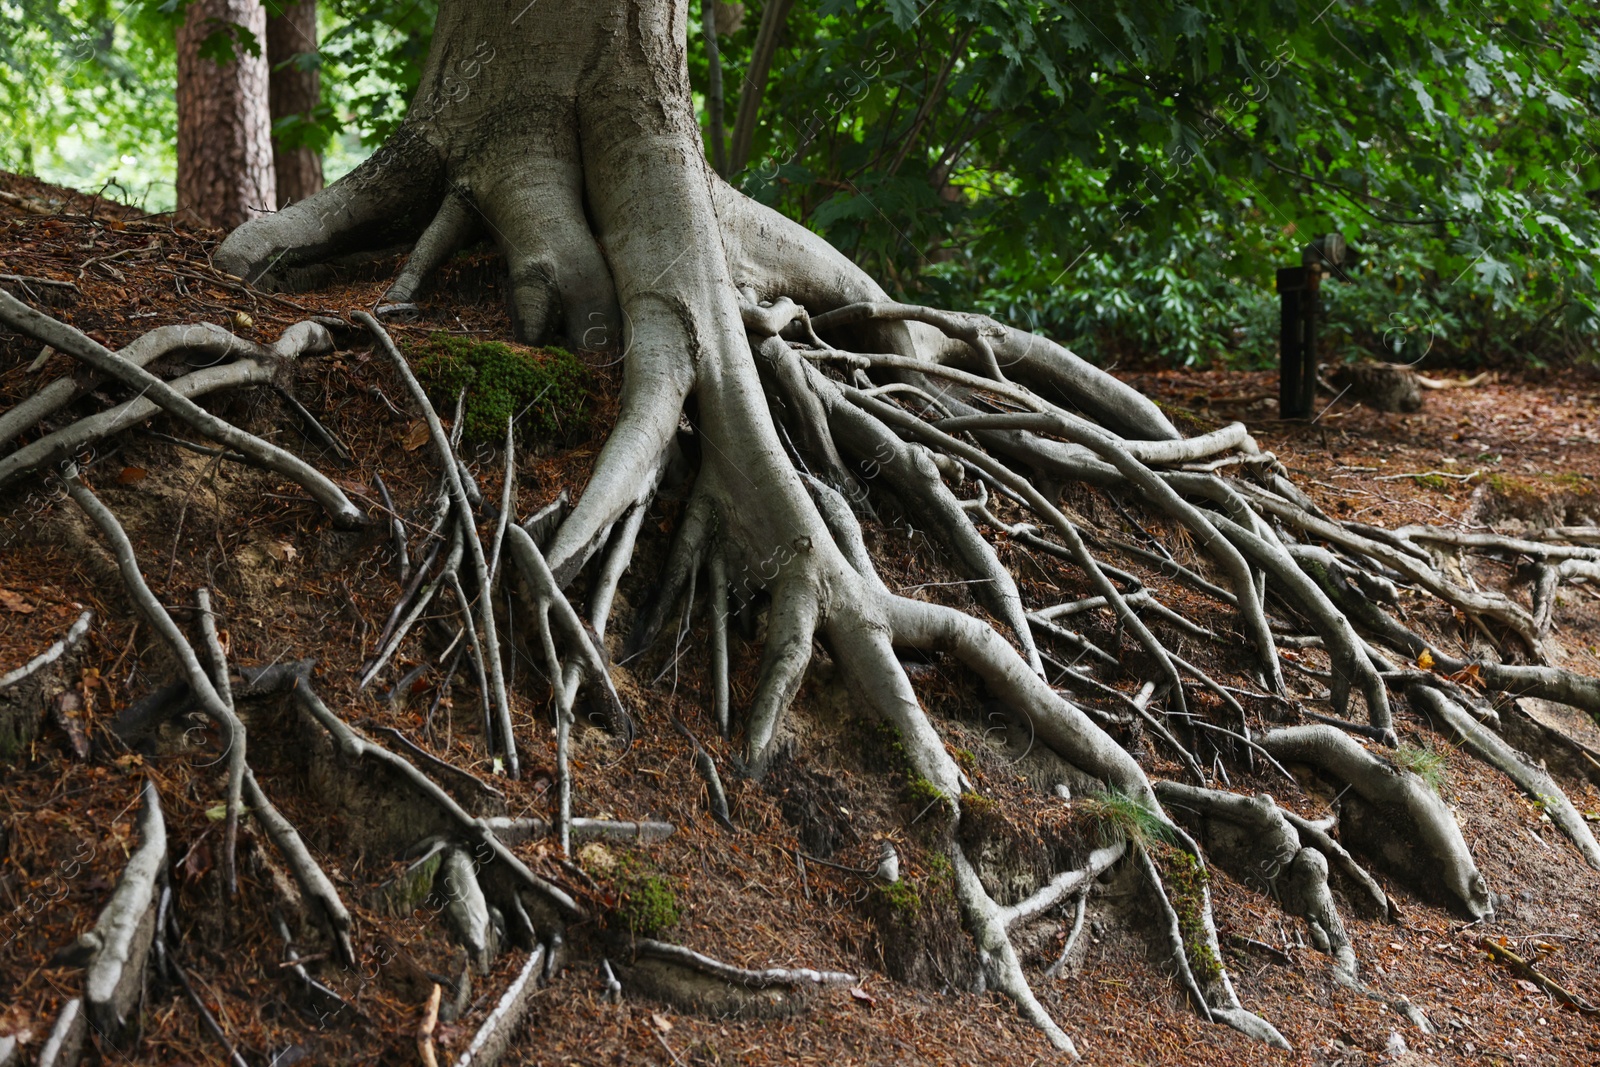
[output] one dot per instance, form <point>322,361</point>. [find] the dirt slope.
<point>290,588</point>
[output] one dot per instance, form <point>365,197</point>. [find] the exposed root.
<point>1317,837</point>
<point>1530,778</point>
<point>762,979</point>
<point>458,497</point>
<point>1001,968</point>
<point>1251,837</point>
<point>121,938</point>
<point>65,1044</point>
<point>792,437</point>
<point>473,832</point>
<point>313,881</point>
<point>515,831</point>
<point>1431,852</point>
<point>493,1039</point>
<point>1065,884</point>
<point>25,320</point>
<point>49,656</point>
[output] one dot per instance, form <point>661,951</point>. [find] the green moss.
<point>1424,762</point>
<point>922,793</point>
<point>1432,481</point>
<point>646,903</point>
<point>1186,881</point>
<point>902,899</point>
<point>501,380</point>
<point>978,805</point>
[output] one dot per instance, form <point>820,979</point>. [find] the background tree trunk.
<point>224,131</point>
<point>291,32</point>
<point>773,16</point>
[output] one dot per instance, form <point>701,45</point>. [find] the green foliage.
<point>1126,177</point>
<point>502,381</point>
<point>86,95</point>
<point>646,904</point>
<point>1116,816</point>
<point>1423,761</point>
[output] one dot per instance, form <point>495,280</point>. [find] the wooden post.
<point>1298,292</point>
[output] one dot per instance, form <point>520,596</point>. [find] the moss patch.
<point>1186,881</point>
<point>502,380</point>
<point>646,904</point>
<point>902,898</point>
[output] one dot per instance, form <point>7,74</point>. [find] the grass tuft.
<point>1116,816</point>
<point>1424,762</point>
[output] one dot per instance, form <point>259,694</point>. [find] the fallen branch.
<point>1525,970</point>
<point>727,972</point>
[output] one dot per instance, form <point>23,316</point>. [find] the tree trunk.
<point>293,91</point>
<point>224,133</point>
<point>773,16</point>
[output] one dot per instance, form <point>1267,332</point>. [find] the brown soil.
<point>290,587</point>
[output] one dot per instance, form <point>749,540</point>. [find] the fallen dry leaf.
<point>416,435</point>
<point>1425,660</point>
<point>129,475</point>
<point>282,551</point>
<point>660,1022</point>
<point>15,602</point>
<point>863,996</point>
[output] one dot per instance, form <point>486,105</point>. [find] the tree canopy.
<point>1124,176</point>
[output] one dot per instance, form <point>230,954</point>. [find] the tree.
<point>570,136</point>
<point>294,94</point>
<point>225,168</point>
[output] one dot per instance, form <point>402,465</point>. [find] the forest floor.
<point>1524,447</point>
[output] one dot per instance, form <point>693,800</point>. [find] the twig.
<point>397,530</point>
<point>313,429</point>
<point>430,1019</point>
<point>1506,958</point>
